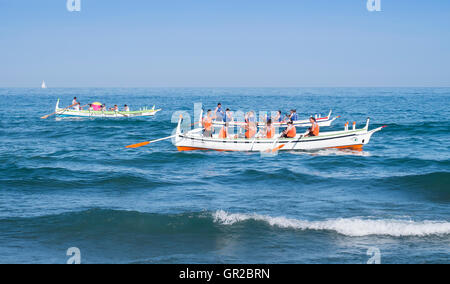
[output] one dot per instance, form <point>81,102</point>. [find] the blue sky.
<point>224,43</point>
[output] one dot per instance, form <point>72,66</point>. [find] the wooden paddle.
<point>121,114</point>
<point>48,115</point>
<point>149,142</point>
<point>274,143</point>
<point>282,145</point>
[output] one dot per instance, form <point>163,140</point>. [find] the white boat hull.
<point>350,139</point>
<point>108,114</point>
<point>72,113</point>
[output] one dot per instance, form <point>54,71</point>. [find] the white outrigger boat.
<point>321,121</point>
<point>353,139</point>
<point>72,113</point>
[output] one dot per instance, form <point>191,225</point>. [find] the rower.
<point>250,125</point>
<point>103,107</point>
<point>251,116</point>
<point>219,112</point>
<point>314,129</point>
<point>290,131</point>
<point>126,108</point>
<point>227,119</point>
<point>116,108</point>
<point>207,124</point>
<point>278,117</point>
<point>91,108</point>
<point>228,116</point>
<point>76,104</point>
<point>293,116</point>
<point>270,129</point>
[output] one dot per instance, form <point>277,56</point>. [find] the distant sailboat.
<point>43,86</point>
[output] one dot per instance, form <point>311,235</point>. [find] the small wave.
<point>283,175</point>
<point>98,222</point>
<point>436,182</point>
<point>354,227</point>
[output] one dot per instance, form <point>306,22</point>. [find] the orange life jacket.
<point>315,129</point>
<point>223,133</point>
<point>250,130</point>
<point>292,132</point>
<point>270,132</point>
<point>207,123</point>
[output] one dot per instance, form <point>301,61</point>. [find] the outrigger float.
<point>352,139</point>
<point>321,121</point>
<point>72,113</point>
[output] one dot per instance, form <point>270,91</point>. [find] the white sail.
<point>43,86</point>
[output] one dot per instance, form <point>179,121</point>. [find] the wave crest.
<point>354,227</point>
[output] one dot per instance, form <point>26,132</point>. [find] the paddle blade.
<point>278,148</point>
<point>138,145</point>
<point>45,116</point>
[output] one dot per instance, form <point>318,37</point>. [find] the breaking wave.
<point>354,227</point>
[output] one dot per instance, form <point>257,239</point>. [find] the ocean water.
<point>71,183</point>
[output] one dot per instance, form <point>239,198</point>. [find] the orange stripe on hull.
<point>352,147</point>
<point>189,149</point>
<point>182,149</point>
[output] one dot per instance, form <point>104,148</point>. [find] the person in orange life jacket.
<point>227,119</point>
<point>314,129</point>
<point>290,130</point>
<point>207,124</point>
<point>270,129</point>
<point>250,125</point>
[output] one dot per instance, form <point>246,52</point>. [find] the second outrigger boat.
<point>321,121</point>
<point>353,139</point>
<point>68,113</point>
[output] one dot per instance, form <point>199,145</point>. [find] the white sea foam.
<point>334,152</point>
<point>354,227</point>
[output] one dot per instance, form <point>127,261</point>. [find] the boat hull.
<point>354,140</point>
<point>107,114</point>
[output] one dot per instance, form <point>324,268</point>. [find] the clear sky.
<point>224,43</point>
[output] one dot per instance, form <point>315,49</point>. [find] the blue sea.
<point>72,183</point>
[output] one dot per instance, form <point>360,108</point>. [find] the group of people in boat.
<point>250,124</point>
<point>97,106</point>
